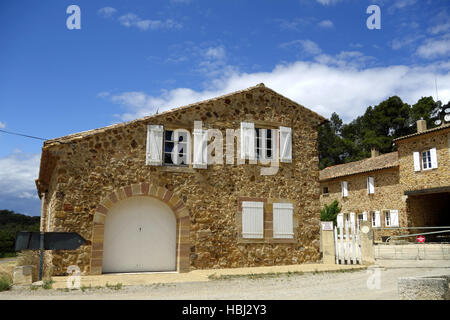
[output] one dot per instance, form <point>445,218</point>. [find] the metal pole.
<point>41,255</point>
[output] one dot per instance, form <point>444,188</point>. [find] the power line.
<point>22,135</point>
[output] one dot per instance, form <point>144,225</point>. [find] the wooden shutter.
<point>283,225</point>
<point>364,216</point>
<point>200,149</point>
<point>344,187</point>
<point>252,220</point>
<point>248,138</point>
<point>285,144</point>
<point>340,220</point>
<point>154,145</point>
<point>433,154</point>
<point>394,218</point>
<point>416,156</point>
<point>370,185</point>
<point>377,219</point>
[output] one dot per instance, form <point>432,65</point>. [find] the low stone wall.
<point>424,288</point>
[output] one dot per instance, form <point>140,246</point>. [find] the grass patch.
<point>116,286</point>
<point>48,284</point>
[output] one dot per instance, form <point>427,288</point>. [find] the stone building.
<point>406,188</point>
<point>147,197</point>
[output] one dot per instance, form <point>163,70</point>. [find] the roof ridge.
<point>82,134</point>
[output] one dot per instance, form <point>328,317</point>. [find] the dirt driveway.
<point>330,285</point>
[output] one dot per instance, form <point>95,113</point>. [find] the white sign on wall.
<point>327,225</point>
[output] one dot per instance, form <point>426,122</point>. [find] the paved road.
<point>348,286</point>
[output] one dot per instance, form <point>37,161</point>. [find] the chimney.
<point>421,125</point>
<point>374,153</point>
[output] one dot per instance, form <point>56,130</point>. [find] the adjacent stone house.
<point>406,188</point>
<point>147,197</point>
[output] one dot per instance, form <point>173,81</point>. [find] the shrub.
<point>329,213</point>
<point>5,282</point>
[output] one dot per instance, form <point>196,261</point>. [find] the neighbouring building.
<point>406,188</point>
<point>147,197</point>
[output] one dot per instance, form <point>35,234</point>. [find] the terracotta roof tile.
<point>444,126</point>
<point>383,161</point>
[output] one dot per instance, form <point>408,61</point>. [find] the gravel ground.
<point>346,285</point>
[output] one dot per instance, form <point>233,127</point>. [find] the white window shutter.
<point>416,156</point>
<point>377,219</point>
<point>433,154</point>
<point>285,144</point>
<point>200,149</point>
<point>370,185</point>
<point>154,145</point>
<point>394,218</point>
<point>252,220</point>
<point>340,220</point>
<point>248,138</point>
<point>344,187</point>
<point>283,226</point>
<point>364,216</point>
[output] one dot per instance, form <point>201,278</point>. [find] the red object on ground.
<point>420,239</point>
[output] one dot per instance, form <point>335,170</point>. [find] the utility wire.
<point>23,135</point>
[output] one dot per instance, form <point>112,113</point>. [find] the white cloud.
<point>433,48</point>
<point>307,47</point>
<point>133,20</point>
<point>399,43</point>
<point>106,12</point>
<point>326,24</point>
<point>215,53</point>
<point>2,125</point>
<point>328,2</point>
<point>444,27</point>
<point>324,87</point>
<point>400,4</point>
<point>17,174</point>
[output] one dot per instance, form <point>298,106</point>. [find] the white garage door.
<point>140,235</point>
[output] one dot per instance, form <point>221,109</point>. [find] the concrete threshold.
<point>153,278</point>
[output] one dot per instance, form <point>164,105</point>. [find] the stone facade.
<point>421,197</point>
<point>84,174</point>
<point>387,195</point>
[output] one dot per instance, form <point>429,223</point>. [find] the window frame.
<point>185,153</point>
<point>259,146</point>
<point>428,157</point>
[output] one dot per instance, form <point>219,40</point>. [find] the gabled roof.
<point>441,127</point>
<point>83,134</point>
<point>383,161</point>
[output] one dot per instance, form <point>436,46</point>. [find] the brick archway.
<point>143,189</point>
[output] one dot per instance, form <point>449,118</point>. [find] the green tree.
<point>331,147</point>
<point>329,213</point>
<point>425,109</point>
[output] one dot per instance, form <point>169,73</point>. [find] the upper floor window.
<point>264,144</point>
<point>325,190</point>
<point>344,188</point>
<point>176,147</point>
<point>425,160</point>
<point>370,185</point>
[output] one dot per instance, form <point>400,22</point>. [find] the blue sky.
<point>131,58</point>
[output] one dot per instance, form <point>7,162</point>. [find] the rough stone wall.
<point>387,196</point>
<point>92,166</point>
<point>434,178</point>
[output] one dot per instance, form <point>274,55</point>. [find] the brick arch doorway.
<point>170,199</point>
